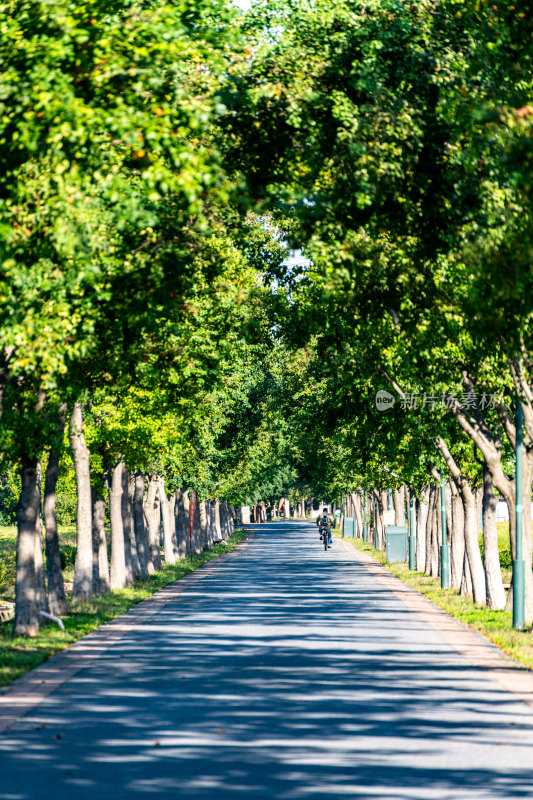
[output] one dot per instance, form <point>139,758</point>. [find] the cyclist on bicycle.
<point>324,522</point>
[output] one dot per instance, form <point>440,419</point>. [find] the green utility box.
<point>348,528</point>
<point>396,543</point>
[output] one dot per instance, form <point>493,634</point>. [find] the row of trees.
<point>135,318</point>
<point>158,164</point>
<point>393,141</point>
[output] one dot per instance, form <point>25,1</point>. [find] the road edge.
<point>477,650</point>
<point>26,692</point>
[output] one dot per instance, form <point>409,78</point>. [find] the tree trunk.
<point>430,522</point>
<point>203,525</point>
<point>40,578</point>
<point>435,534</point>
<point>127,526</point>
<point>172,509</point>
<point>141,533</point>
<point>457,550</point>
<point>493,574</point>
<point>82,589</point>
<point>130,540</point>
<point>398,501</point>
<point>167,525</point>
<point>218,531</point>
<point>27,608</point>
<point>472,544</point>
<point>100,560</point>
<point>153,515</point>
<point>196,529</point>
<point>466,578</point>
<point>56,588</point>
<point>422,508</point>
<point>224,521</point>
<point>182,521</point>
<point>358,518</point>
<point>118,560</point>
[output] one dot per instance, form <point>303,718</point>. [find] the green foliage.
<point>9,492</point>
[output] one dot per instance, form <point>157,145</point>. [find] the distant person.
<point>324,522</point>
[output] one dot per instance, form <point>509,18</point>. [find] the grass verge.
<point>497,626</point>
<point>19,655</point>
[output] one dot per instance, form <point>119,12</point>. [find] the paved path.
<point>285,673</point>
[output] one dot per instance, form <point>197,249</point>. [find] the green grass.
<point>495,625</point>
<point>19,655</point>
<point>8,554</point>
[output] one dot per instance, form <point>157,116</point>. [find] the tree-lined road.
<point>286,672</point>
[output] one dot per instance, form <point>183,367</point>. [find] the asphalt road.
<point>288,673</point>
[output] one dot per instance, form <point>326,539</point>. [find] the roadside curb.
<point>477,650</point>
<point>26,692</point>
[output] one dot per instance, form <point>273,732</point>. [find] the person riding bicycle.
<point>324,522</point>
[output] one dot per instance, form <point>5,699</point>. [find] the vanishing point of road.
<point>279,671</point>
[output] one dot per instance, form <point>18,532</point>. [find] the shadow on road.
<point>289,672</point>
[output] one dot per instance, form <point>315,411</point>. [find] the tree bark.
<point>119,576</point>
<point>422,508</point>
<point>172,508</point>
<point>130,541</point>
<point>56,587</point>
<point>182,521</point>
<point>466,578</point>
<point>457,550</point>
<point>203,526</point>
<point>167,526</point>
<point>153,515</point>
<point>398,501</point>
<point>127,526</point>
<point>27,608</point>
<point>40,578</point>
<point>100,560</point>
<point>141,533</point>
<point>493,574</point>
<point>357,509</point>
<point>477,573</point>
<point>218,531</point>
<point>82,589</point>
<point>196,529</point>
<point>430,522</point>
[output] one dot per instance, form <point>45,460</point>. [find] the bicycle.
<point>324,534</point>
